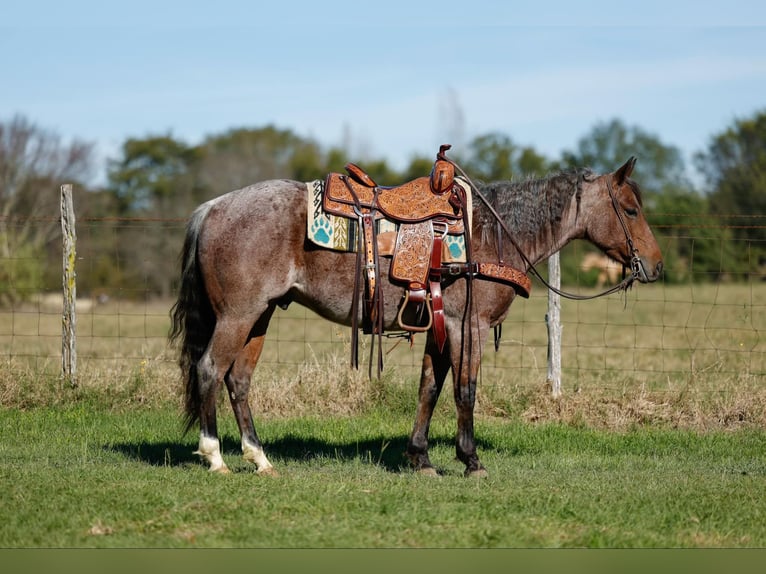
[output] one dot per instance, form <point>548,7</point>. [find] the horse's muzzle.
<point>647,273</point>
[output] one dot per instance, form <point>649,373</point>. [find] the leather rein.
<point>625,284</point>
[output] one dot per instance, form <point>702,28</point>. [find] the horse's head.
<point>616,223</point>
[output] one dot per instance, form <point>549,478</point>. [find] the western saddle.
<point>425,210</point>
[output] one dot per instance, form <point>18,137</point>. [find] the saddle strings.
<point>376,304</point>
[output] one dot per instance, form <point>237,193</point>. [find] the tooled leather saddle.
<point>425,210</point>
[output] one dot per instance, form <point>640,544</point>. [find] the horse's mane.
<point>529,205</point>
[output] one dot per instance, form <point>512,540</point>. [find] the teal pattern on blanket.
<point>340,233</point>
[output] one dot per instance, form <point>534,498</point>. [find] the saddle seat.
<point>411,202</point>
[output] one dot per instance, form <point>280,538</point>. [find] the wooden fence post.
<point>69,317</point>
<point>553,321</point>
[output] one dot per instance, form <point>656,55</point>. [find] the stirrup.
<point>415,328</point>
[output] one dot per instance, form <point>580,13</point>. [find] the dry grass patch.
<point>739,404</point>
<point>329,387</point>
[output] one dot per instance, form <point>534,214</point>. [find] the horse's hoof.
<point>268,471</point>
<point>476,473</point>
<point>221,470</point>
<point>427,471</point>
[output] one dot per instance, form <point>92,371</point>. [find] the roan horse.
<point>246,252</point>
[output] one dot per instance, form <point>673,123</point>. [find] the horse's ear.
<point>624,172</point>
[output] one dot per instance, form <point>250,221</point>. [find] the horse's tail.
<point>192,316</point>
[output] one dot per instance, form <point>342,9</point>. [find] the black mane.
<point>529,205</point>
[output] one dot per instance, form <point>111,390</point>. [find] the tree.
<point>691,251</point>
<point>154,175</point>
<point>241,157</point>
<point>734,166</point>
<point>34,162</point>
<point>160,176</point>
<point>337,157</point>
<point>609,144</point>
<point>494,156</point>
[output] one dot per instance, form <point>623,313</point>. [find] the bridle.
<point>624,285</point>
<point>635,261</point>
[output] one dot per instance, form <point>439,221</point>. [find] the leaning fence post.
<point>69,318</point>
<point>553,321</point>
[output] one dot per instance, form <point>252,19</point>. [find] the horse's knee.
<point>465,395</point>
<point>238,395</point>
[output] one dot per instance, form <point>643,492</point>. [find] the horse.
<point>246,252</point>
<point>606,267</point>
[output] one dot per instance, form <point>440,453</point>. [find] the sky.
<point>386,79</point>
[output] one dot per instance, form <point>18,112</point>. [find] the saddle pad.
<point>332,231</point>
<point>341,234</point>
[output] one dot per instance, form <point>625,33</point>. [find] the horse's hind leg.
<point>228,340</point>
<point>238,385</point>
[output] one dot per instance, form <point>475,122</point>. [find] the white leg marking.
<point>210,450</point>
<point>255,454</point>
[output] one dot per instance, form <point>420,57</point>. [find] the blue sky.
<point>390,79</point>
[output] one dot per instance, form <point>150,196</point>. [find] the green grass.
<point>658,440</point>
<point>87,476</point>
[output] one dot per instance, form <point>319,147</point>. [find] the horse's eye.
<point>631,212</point>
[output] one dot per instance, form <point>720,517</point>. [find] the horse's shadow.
<point>386,452</point>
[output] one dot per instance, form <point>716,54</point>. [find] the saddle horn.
<point>443,172</point>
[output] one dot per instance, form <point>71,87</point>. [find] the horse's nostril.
<point>659,268</point>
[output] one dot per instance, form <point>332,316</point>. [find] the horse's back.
<point>260,201</point>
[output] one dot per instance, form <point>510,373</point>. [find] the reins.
<point>471,270</point>
<point>625,284</point>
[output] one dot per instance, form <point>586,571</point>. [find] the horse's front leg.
<point>466,358</point>
<point>436,365</point>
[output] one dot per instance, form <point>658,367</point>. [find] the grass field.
<point>84,476</point>
<point>658,441</point>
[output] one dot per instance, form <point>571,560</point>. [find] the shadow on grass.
<point>385,452</point>
<point>156,453</point>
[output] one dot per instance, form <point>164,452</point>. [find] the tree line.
<point>163,177</point>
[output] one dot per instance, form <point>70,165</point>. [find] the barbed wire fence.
<point>700,327</point>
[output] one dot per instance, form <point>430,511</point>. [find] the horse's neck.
<point>537,230</point>
<point>553,236</point>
